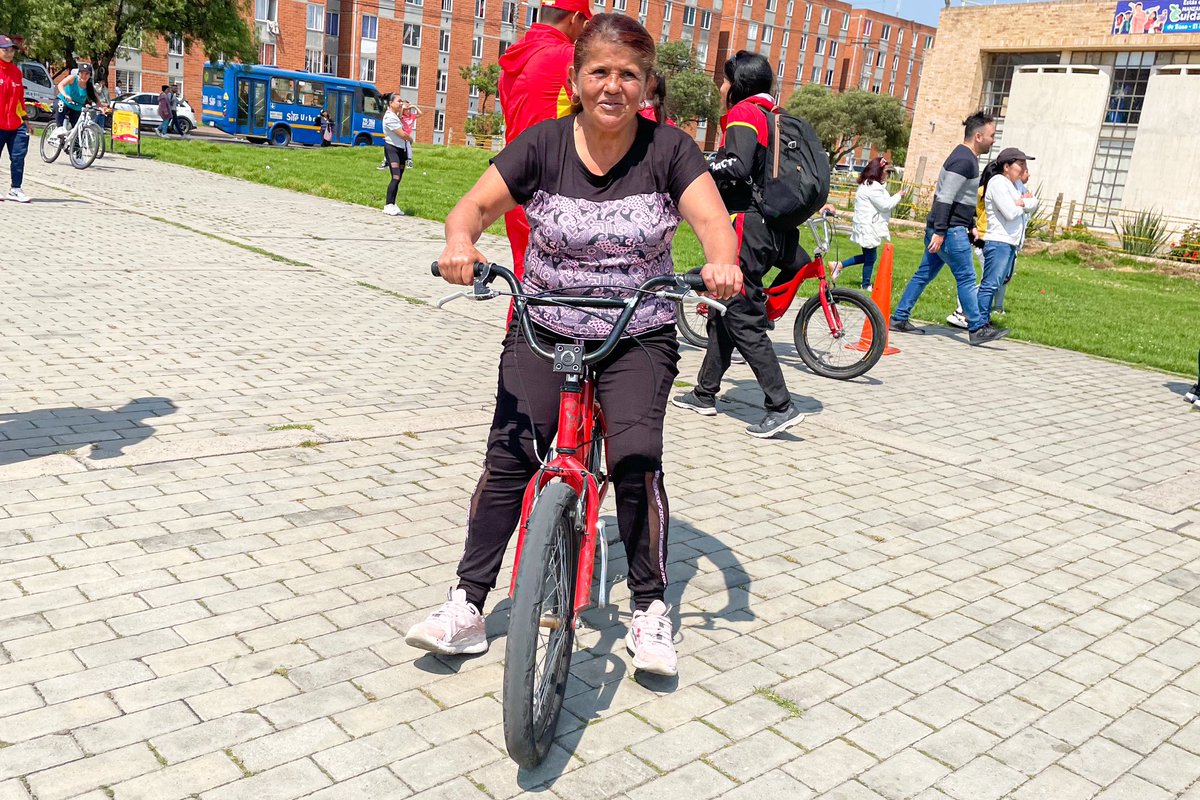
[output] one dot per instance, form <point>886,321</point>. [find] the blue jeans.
<point>867,259</point>
<point>998,298</point>
<point>997,260</point>
<point>956,254</point>
<point>17,143</point>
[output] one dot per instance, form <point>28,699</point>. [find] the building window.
<point>825,16</point>
<point>768,34</point>
<point>845,22</point>
<point>928,41</point>
<point>412,35</point>
<point>751,33</point>
<point>807,13</point>
<point>885,32</point>
<point>314,18</point>
<point>508,12</point>
<point>829,77</point>
<point>439,121</point>
<point>333,23</point>
<point>791,4</point>
<point>366,70</point>
<point>312,60</point>
<point>414,2</point>
<point>370,27</point>
<point>266,10</point>
<point>329,64</point>
<point>705,20</point>
<point>868,27</point>
<point>598,5</point>
<point>876,87</point>
<point>787,34</point>
<point>447,5</point>
<point>531,15</point>
<point>266,54</point>
<point>870,58</point>
<point>833,49</point>
<point>644,8</point>
<point>127,81</point>
<point>443,41</point>
<point>175,45</point>
<point>816,75</point>
<point>480,9</point>
<point>803,44</point>
<point>409,76</point>
<point>799,72</point>
<point>477,47</point>
<point>820,46</point>
<point>779,70</point>
<point>667,12</point>
<point>771,4</point>
<point>899,36</point>
<point>689,15</point>
<point>702,54</point>
<point>441,80</point>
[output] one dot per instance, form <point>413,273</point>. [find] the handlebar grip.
<point>693,281</point>
<point>481,269</point>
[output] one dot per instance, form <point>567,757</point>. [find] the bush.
<point>1188,247</point>
<point>485,124</point>
<point>1143,233</point>
<point>1081,233</point>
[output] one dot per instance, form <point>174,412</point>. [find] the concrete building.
<point>418,46</point>
<point>1109,116</point>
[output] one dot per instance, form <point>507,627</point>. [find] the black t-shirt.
<point>611,230</point>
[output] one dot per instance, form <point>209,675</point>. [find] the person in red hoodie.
<point>15,127</point>
<point>534,87</point>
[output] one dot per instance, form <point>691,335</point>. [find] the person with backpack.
<point>767,231</point>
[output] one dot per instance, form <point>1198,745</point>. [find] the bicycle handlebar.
<point>685,285</point>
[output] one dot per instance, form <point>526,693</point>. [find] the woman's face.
<point>84,77</point>
<point>611,85</point>
<point>395,104</point>
<point>1013,170</point>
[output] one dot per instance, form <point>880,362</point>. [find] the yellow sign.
<point>125,126</point>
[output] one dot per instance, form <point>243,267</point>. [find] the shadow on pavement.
<point>1177,387</point>
<point>26,435</point>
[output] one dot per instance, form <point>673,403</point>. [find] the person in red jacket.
<point>534,87</point>
<point>15,127</point>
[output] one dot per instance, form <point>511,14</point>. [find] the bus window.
<point>214,76</point>
<point>283,91</point>
<point>372,103</point>
<point>311,93</point>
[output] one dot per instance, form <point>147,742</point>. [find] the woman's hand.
<point>723,281</point>
<point>457,263</point>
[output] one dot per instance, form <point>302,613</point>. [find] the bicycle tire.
<point>100,153</point>
<point>811,320</point>
<point>82,151</point>
<point>692,321</point>
<point>532,703</point>
<point>49,144</point>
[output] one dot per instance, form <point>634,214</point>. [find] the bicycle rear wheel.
<point>849,348</point>
<point>50,145</point>
<point>692,321</point>
<point>541,628</point>
<point>86,146</point>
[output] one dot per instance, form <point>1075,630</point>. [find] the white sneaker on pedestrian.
<point>17,196</point>
<point>454,629</point>
<point>957,320</point>
<point>651,640</point>
<point>392,210</point>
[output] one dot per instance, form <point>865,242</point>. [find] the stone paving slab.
<point>195,605</point>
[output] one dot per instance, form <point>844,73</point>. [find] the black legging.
<point>396,159</point>
<point>63,113</point>
<point>632,386</point>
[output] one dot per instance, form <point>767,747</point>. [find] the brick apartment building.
<point>418,46</point>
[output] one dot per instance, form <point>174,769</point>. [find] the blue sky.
<point>925,11</point>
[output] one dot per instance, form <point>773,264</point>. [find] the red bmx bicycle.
<point>560,516</point>
<point>838,333</point>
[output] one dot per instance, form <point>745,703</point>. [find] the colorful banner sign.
<point>125,126</point>
<point>1137,18</point>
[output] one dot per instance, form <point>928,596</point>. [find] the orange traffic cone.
<point>881,295</point>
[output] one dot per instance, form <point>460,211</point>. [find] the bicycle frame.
<point>580,429</point>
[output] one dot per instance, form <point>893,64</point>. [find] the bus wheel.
<point>363,140</point>
<point>281,136</point>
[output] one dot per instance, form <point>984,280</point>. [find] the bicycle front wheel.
<point>86,146</point>
<point>848,347</point>
<point>541,628</point>
<point>692,321</point>
<point>50,145</point>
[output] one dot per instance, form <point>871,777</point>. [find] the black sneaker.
<point>988,333</point>
<point>904,326</point>
<point>705,408</point>
<point>1193,394</point>
<point>775,422</point>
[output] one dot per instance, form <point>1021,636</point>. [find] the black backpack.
<point>796,172</point>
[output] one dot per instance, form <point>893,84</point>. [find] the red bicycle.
<point>838,333</point>
<point>560,515</point>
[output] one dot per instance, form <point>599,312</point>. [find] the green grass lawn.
<point>1124,311</point>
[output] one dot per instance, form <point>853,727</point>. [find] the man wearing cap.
<point>1006,207</point>
<point>534,87</point>
<point>15,127</point>
<point>947,233</point>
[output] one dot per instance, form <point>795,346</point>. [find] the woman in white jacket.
<point>872,211</point>
<point>1006,208</point>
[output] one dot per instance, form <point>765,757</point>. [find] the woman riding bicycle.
<point>74,92</point>
<point>604,190</point>
<point>736,165</point>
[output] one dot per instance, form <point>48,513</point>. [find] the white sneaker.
<point>60,131</point>
<point>651,640</point>
<point>17,196</point>
<point>454,629</point>
<point>392,210</point>
<point>957,320</point>
<point>1193,394</point>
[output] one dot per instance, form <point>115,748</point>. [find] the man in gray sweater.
<point>948,233</point>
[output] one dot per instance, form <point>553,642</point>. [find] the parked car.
<point>39,89</point>
<point>147,104</point>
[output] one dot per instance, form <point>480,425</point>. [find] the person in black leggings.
<point>395,151</point>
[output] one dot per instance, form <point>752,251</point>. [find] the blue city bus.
<point>280,106</point>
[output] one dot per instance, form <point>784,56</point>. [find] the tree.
<point>691,94</point>
<point>483,79</point>
<point>851,120</point>
<point>69,31</point>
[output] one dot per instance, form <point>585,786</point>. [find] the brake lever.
<point>485,294</point>
<point>693,297</point>
<point>451,297</point>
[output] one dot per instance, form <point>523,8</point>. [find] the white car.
<point>147,104</point>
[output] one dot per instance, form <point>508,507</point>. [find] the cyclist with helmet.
<point>74,92</point>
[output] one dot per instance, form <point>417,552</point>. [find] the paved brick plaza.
<point>975,575</point>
